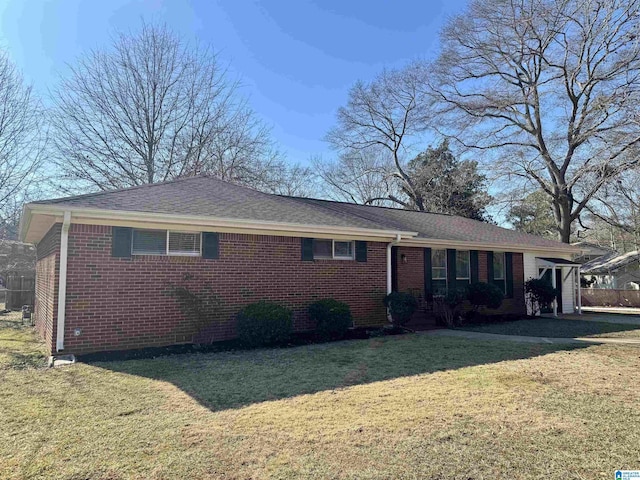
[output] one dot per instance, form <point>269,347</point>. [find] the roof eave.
<point>257,226</point>
<point>420,241</point>
<point>25,220</point>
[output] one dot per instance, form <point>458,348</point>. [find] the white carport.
<point>545,264</point>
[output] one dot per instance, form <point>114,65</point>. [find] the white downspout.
<point>62,280</point>
<point>554,285</point>
<point>389,276</point>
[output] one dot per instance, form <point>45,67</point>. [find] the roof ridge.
<point>334,209</point>
<point>399,209</point>
<point>125,189</point>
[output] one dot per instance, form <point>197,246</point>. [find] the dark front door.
<point>547,278</point>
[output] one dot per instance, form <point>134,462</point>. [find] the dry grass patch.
<point>19,346</point>
<point>412,407</point>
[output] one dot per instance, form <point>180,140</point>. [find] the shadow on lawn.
<point>226,380</point>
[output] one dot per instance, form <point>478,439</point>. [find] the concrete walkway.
<point>444,332</point>
<point>617,318</point>
<point>615,310</point>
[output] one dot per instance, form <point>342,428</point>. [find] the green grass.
<point>550,327</point>
<point>411,406</point>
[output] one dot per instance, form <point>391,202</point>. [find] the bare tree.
<point>618,205</point>
<point>383,114</point>
<point>289,180</point>
<point>364,177</point>
<point>552,85</point>
<point>151,109</point>
<point>22,140</point>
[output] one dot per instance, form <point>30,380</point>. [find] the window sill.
<point>166,255</point>
<point>342,259</point>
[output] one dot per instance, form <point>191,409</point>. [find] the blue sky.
<point>297,58</point>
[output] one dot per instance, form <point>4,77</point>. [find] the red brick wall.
<point>46,299</point>
<point>411,276</point>
<point>411,270</point>
<point>127,303</point>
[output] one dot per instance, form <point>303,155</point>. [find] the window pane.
<point>439,265</point>
<point>343,249</point>
<point>498,265</point>
<point>184,243</point>
<point>462,264</point>
<point>322,248</point>
<point>439,273</point>
<point>149,242</point>
<point>439,258</point>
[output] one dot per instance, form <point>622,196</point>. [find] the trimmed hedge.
<point>264,323</point>
<point>332,318</point>
<point>481,294</point>
<point>401,306</point>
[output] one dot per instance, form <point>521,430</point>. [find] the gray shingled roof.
<point>610,262</point>
<point>209,197</point>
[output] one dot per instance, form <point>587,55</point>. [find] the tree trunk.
<point>565,220</point>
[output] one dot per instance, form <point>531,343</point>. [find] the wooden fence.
<point>21,290</point>
<point>603,297</point>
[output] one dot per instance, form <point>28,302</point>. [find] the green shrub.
<point>540,294</point>
<point>332,318</point>
<point>481,294</point>
<point>447,308</point>
<point>264,323</point>
<point>401,306</point>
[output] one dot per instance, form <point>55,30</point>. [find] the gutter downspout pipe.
<point>62,280</point>
<point>390,245</point>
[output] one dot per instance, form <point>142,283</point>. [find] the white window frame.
<point>147,254</point>
<point>504,266</point>
<point>468,272</point>
<point>167,253</point>
<point>343,257</point>
<point>333,250</point>
<point>183,253</point>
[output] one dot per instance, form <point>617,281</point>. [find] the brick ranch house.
<point>107,263</point>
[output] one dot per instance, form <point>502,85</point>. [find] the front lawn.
<point>556,327</point>
<point>410,406</point>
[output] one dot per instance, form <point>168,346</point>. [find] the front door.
<point>547,278</point>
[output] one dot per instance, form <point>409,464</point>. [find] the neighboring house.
<point>614,271</point>
<point>108,263</point>
<point>591,251</point>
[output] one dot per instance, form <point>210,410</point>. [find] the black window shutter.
<point>307,249</point>
<point>361,251</point>
<point>121,242</point>
<point>490,275</point>
<point>508,267</point>
<point>473,256</point>
<point>451,269</point>
<point>210,245</point>
<point>394,269</point>
<point>428,286</point>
